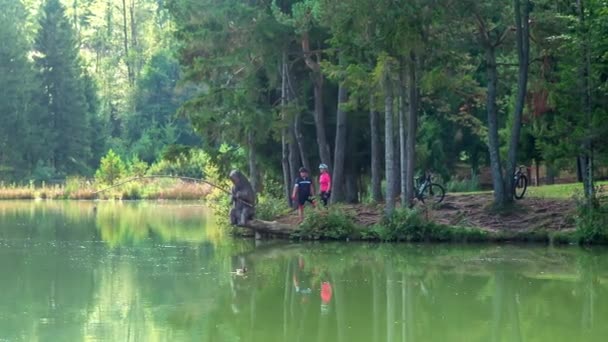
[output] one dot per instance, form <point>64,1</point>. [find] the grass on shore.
<point>555,191</point>
<point>165,189</point>
<point>560,191</point>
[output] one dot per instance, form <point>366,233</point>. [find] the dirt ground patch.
<point>527,214</point>
<point>473,211</point>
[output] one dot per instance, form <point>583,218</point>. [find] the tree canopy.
<point>380,91</point>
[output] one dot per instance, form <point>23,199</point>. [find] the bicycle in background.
<point>426,189</point>
<point>520,183</point>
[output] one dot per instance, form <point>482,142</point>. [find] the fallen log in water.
<point>270,227</point>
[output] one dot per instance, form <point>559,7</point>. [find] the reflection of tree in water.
<point>64,284</point>
<point>417,294</point>
<point>42,301</point>
<point>130,224</point>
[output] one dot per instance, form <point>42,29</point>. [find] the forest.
<point>378,90</point>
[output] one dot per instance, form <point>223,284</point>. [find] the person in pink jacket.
<point>324,184</point>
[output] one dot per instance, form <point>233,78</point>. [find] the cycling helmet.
<point>303,169</point>
<point>323,166</point>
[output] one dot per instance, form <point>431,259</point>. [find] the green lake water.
<point>85,271</point>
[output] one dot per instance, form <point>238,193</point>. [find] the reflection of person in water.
<point>301,282</point>
<point>326,294</point>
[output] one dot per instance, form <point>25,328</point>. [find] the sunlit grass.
<point>559,191</point>
<point>17,193</point>
<point>555,191</point>
<point>77,189</point>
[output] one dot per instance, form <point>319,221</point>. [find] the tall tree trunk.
<point>376,186</point>
<point>126,41</point>
<point>294,141</point>
<point>397,155</point>
<point>319,114</point>
<point>585,87</point>
<point>300,140</point>
<point>285,133</point>
<point>412,128</point>
<point>389,145</point>
<point>285,166</point>
<point>550,171</point>
<point>351,182</point>
<point>493,141</point>
<point>351,188</point>
<point>324,152</point>
<point>522,30</point>
<point>402,137</point>
<point>294,153</point>
<point>253,168</point>
<point>587,172</point>
<point>579,170</point>
<point>134,41</point>
<point>337,190</point>
<point>537,172</point>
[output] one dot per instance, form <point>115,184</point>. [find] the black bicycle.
<point>520,183</point>
<point>427,189</point>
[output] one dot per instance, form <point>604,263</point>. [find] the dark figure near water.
<point>242,198</point>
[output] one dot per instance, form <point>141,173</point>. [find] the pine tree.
<point>64,127</point>
<point>100,130</point>
<point>16,84</point>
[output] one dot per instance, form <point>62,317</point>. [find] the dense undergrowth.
<point>592,221</point>
<point>411,225</point>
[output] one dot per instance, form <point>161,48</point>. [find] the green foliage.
<point>132,191</point>
<point>269,207</point>
<point>273,188</point>
<point>137,167</point>
<point>73,184</point>
<point>332,224</point>
<point>43,172</point>
<point>188,163</point>
<point>17,97</point>
<point>68,143</point>
<point>410,225</point>
<point>465,185</point>
<point>592,222</point>
<point>220,205</point>
<point>111,169</point>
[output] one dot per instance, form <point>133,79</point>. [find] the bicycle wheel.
<point>520,187</point>
<point>434,192</point>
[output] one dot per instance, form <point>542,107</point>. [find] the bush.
<point>269,207</point>
<point>334,224</point>
<point>191,164</point>
<point>465,185</point>
<point>592,222</point>
<point>403,225</point>
<point>132,191</point>
<point>219,203</point>
<point>51,192</point>
<point>111,169</point>
<point>43,172</point>
<point>137,167</point>
<point>409,225</point>
<point>73,185</point>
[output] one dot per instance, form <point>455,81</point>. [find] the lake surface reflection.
<point>75,271</point>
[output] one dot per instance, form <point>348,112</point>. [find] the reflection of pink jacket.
<point>326,292</point>
<point>325,182</point>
